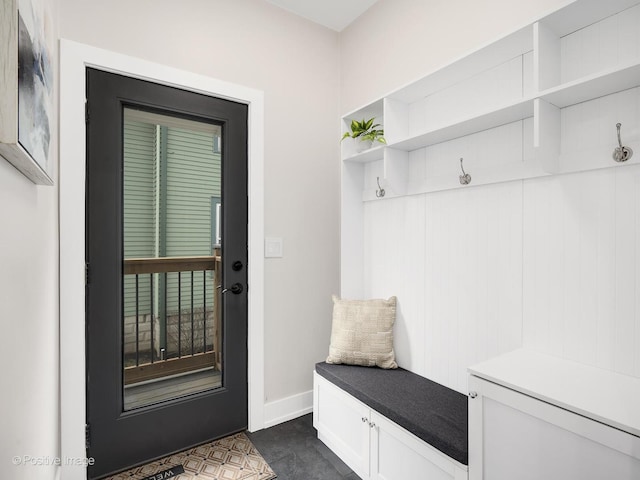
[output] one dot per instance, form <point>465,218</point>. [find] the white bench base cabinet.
<point>535,417</point>
<point>370,444</point>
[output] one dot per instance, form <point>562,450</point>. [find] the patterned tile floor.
<point>230,458</point>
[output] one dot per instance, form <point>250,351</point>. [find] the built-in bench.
<point>433,413</point>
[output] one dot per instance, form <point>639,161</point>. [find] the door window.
<point>171,323</point>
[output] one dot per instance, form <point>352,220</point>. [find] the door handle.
<point>236,289</point>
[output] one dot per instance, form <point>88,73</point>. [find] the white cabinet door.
<point>398,455</point>
<point>343,425</point>
<point>512,435</point>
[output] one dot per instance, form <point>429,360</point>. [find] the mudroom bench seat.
<point>391,424</point>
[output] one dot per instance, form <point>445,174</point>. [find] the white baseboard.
<point>288,408</point>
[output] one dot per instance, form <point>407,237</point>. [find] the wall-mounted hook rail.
<point>465,178</point>
<point>621,153</point>
<point>380,191</point>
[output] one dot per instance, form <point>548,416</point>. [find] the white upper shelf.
<point>395,110</point>
<point>580,14</point>
<point>509,113</point>
<point>367,156</point>
<point>594,86</point>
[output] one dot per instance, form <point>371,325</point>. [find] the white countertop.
<point>607,397</point>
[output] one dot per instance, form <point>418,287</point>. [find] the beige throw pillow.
<point>362,332</point>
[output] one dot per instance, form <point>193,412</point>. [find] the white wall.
<point>296,64</point>
<point>29,319</point>
<point>29,312</point>
<point>551,263</point>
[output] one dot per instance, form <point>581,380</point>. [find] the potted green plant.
<point>365,133</point>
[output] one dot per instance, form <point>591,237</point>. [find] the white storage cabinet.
<point>533,416</point>
<point>373,446</point>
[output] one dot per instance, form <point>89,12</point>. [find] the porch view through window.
<point>172,258</point>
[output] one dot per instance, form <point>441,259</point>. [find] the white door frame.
<point>74,58</point>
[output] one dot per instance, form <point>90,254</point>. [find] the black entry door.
<point>166,304</point>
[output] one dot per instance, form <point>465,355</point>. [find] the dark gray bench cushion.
<point>432,412</point>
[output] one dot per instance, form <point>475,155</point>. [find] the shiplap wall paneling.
<point>587,73</point>
<point>627,283</point>
<point>388,173</point>
<point>453,259</point>
<point>414,323</point>
<point>589,133</point>
<point>394,265</point>
<point>591,47</point>
<point>491,156</point>
<point>396,171</point>
<point>383,246</point>
<point>396,114</point>
<point>499,85</point>
<point>546,135</point>
<point>603,45</point>
<point>473,278</point>
<point>582,267</point>
<point>373,172</point>
<point>351,231</point>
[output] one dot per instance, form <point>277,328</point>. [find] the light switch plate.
<point>273,247</point>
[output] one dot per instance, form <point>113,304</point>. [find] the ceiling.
<point>334,14</point>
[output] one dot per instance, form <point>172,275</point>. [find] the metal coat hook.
<point>465,178</point>
<point>380,191</point>
<point>621,153</point>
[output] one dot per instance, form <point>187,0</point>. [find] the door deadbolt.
<point>236,266</point>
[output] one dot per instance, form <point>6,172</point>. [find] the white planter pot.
<point>362,145</point>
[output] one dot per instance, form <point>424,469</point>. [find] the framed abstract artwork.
<point>27,105</point>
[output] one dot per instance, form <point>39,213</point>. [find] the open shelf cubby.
<point>542,100</point>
